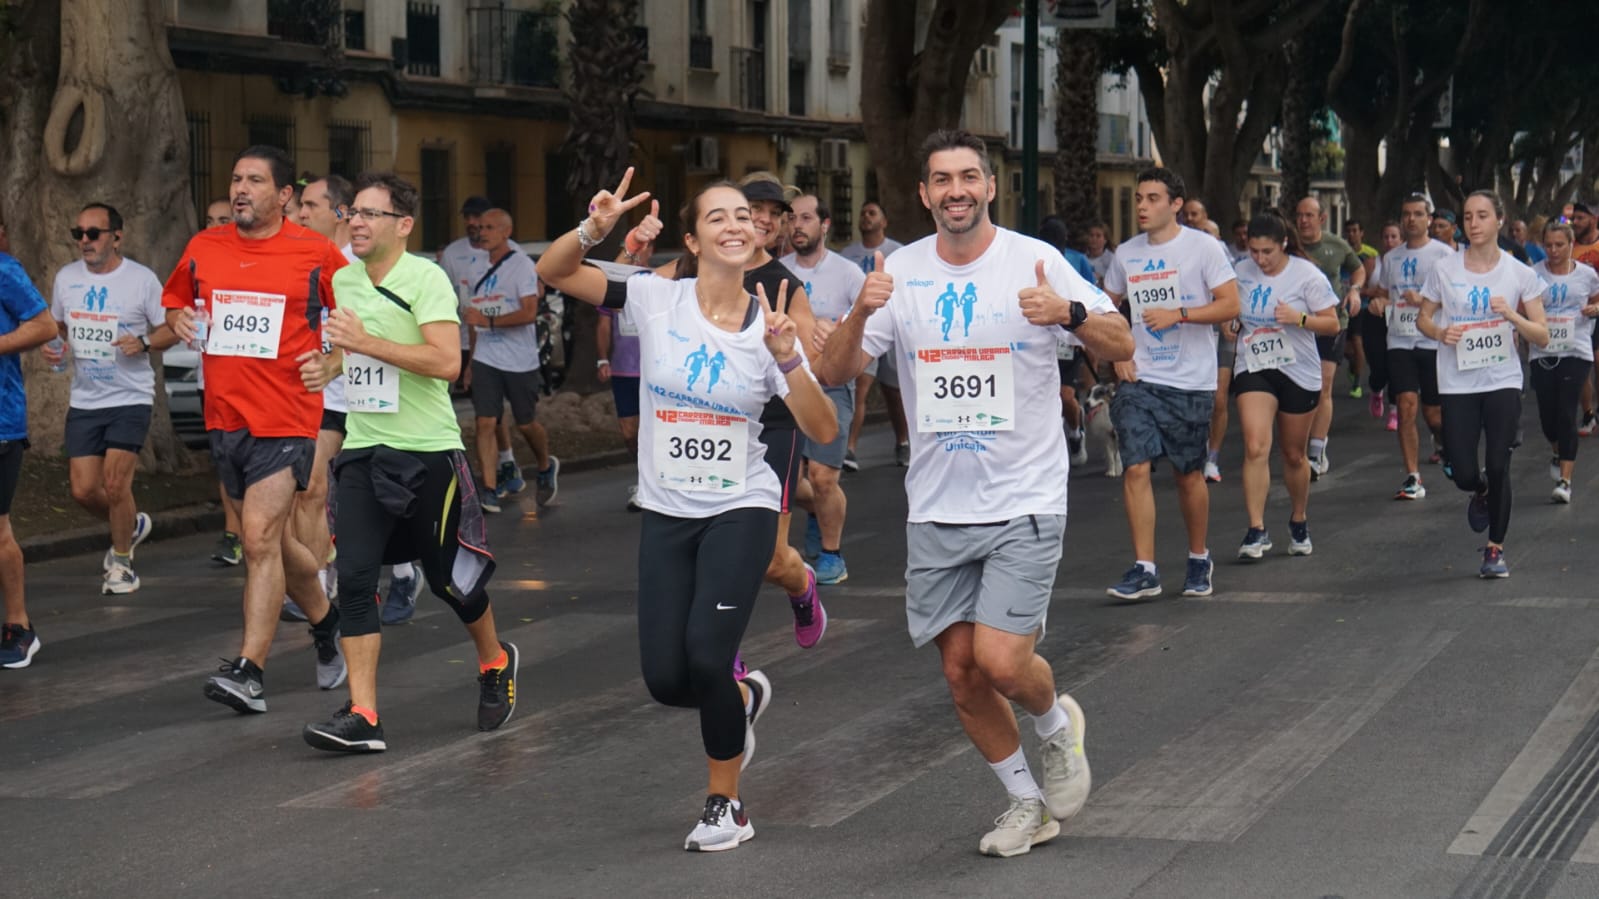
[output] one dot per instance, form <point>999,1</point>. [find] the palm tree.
<point>1077,75</point>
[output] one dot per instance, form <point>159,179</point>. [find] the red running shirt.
<point>284,280</point>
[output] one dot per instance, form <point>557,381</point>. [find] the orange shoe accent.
<point>370,715</point>
<point>500,662</point>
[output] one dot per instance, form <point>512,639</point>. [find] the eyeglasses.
<point>374,214</point>
<point>91,233</point>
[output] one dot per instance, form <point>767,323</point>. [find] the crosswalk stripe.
<point>1213,783</point>
<point>524,750</point>
<point>791,793</point>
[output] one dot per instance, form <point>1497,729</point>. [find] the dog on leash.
<point>1101,430</point>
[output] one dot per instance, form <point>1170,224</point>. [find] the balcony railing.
<point>514,46</point>
<point>701,52</point>
<point>288,20</point>
<point>749,85</point>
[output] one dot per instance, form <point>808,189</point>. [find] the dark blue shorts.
<point>624,390</point>
<point>1155,421</point>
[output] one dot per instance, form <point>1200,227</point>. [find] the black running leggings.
<point>1374,343</point>
<point>1469,417</point>
<point>370,536</point>
<point>698,579</point>
<point>1559,388</point>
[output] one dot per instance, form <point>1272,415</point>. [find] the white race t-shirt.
<point>1570,332</point>
<point>1287,347</point>
<point>97,310</point>
<point>832,285</point>
<point>1182,356</point>
<point>501,292</point>
<point>333,393</point>
<point>966,353</point>
<point>1465,297</point>
<point>864,258</point>
<point>465,265</point>
<point>1405,269</point>
<point>701,392</point>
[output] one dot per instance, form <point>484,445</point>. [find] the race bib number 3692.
<point>965,389</point>
<point>701,452</point>
<point>245,324</point>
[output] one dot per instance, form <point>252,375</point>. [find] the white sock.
<point>506,456</point>
<point>403,569</point>
<point>1200,557</point>
<point>1147,566</point>
<point>1017,777</point>
<point>1050,723</point>
<point>1416,475</point>
<point>1317,447</point>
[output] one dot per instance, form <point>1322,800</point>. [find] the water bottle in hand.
<point>202,326</point>
<point>58,346</point>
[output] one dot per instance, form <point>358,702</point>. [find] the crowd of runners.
<point>740,369</point>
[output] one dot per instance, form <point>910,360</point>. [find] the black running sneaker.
<point>497,695</point>
<point>346,732</point>
<point>238,685</point>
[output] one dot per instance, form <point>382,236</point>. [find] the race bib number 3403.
<point>700,452</point>
<point>245,324</point>
<point>965,389</point>
<point>1485,344</point>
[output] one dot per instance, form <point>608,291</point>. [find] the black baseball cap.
<point>765,190</point>
<point>1583,207</point>
<point>476,205</point>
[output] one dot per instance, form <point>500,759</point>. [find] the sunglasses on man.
<point>91,233</point>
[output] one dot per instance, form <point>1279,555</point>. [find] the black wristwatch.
<point>1079,315</point>
<point>144,343</point>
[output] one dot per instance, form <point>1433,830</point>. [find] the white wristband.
<point>602,362</point>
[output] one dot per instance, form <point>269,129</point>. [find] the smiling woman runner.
<point>1486,298</point>
<point>710,358</point>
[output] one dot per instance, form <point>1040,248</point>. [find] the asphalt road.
<point>1370,721</point>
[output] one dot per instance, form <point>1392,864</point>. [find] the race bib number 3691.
<point>245,324</point>
<point>701,452</point>
<point>965,389</point>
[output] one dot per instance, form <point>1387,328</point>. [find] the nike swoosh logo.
<point>246,264</point>
<point>1012,613</point>
<point>254,690</point>
<point>722,608</point>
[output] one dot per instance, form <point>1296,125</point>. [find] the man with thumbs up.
<point>988,469</point>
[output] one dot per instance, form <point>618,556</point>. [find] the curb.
<point>186,521</point>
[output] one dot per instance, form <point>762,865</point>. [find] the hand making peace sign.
<point>780,329</point>
<point>607,207</point>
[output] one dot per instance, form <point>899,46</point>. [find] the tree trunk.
<point>907,93</point>
<point>1077,77</point>
<point>1295,129</point>
<point>93,113</point>
<point>606,72</point>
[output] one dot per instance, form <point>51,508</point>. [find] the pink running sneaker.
<point>1375,404</point>
<point>810,619</point>
<point>1393,418</point>
<point>740,670</point>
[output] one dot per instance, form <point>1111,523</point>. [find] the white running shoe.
<point>1024,825</point>
<point>1065,764</point>
<point>1562,492</point>
<point>762,687</point>
<point>721,826</point>
<point>119,579</point>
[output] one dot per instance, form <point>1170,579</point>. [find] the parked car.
<point>181,368</point>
